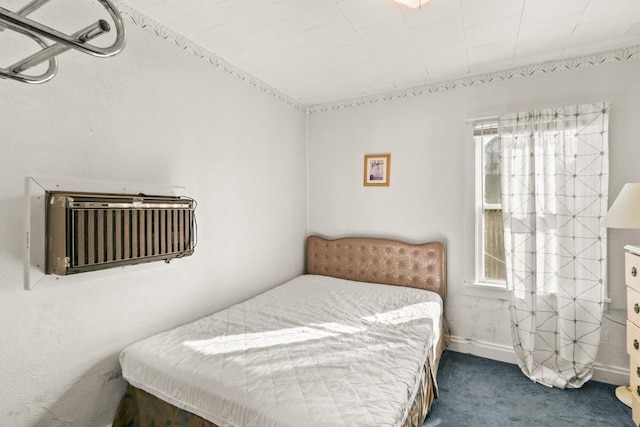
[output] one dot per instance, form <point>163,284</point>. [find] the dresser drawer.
<point>632,270</point>
<point>633,341</point>
<point>634,375</point>
<point>633,306</point>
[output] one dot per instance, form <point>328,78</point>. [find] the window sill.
<point>486,290</point>
<point>498,291</point>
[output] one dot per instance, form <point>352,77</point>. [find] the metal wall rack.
<point>57,42</point>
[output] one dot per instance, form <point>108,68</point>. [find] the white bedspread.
<point>313,351</point>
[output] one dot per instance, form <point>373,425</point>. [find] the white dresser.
<point>632,279</point>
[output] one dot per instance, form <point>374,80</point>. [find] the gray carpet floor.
<point>482,392</point>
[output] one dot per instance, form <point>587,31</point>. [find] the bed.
<point>354,341</point>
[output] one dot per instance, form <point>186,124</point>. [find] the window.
<point>490,257</point>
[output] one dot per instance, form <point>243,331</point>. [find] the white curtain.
<point>554,166</point>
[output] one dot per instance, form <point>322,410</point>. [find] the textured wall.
<point>153,114</point>
<point>431,196</point>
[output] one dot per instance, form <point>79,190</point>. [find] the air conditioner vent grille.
<point>90,232</point>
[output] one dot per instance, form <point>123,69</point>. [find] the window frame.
<point>480,207</point>
<point>481,287</point>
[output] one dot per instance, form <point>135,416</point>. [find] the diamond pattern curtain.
<point>554,167</point>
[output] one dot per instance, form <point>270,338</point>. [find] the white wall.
<point>153,114</point>
<point>431,196</point>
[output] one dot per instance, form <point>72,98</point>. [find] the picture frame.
<point>377,170</point>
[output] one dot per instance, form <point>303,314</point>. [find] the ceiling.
<point>318,51</point>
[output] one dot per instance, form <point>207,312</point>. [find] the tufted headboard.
<point>380,261</point>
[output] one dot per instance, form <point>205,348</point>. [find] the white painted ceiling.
<point>318,51</point>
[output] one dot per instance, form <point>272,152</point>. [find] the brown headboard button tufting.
<point>379,261</point>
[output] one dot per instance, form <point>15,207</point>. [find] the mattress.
<point>313,351</point>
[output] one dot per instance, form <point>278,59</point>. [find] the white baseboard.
<point>616,375</point>
<point>504,353</point>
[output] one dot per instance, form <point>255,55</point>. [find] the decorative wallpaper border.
<point>140,19</point>
<point>547,67</point>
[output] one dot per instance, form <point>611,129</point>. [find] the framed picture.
<point>376,169</point>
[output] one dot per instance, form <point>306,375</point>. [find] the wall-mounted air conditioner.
<point>87,232</point>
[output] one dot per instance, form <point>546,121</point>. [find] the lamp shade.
<point>625,211</point>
